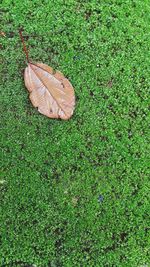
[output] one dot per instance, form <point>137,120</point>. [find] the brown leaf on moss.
<point>50,91</point>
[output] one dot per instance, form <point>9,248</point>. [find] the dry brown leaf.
<point>50,91</point>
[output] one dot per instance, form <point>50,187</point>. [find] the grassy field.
<point>75,193</point>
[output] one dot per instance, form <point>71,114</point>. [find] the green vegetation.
<point>75,193</point>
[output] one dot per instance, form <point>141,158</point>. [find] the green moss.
<point>53,171</point>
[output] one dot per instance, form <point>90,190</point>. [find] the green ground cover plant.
<point>75,193</point>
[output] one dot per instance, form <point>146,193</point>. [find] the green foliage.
<point>75,193</point>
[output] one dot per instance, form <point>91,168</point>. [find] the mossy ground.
<point>75,193</point>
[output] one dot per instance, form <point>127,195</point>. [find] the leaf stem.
<point>24,46</point>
